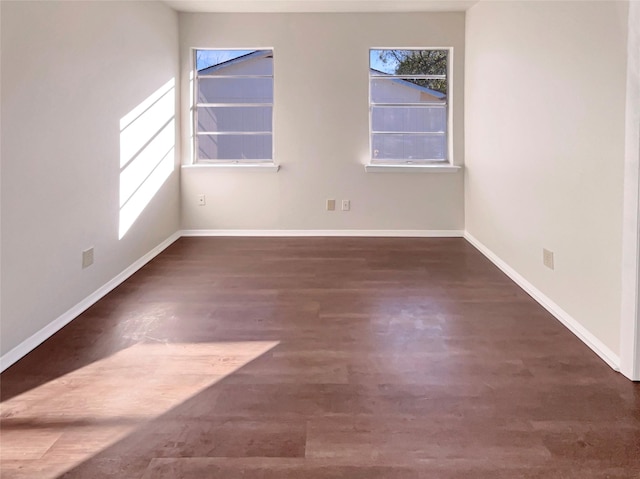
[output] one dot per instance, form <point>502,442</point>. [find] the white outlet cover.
<point>87,257</point>
<point>547,258</point>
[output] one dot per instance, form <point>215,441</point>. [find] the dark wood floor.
<point>354,358</point>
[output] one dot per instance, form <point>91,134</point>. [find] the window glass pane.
<point>408,115</point>
<point>413,119</point>
<point>395,90</point>
<point>408,147</point>
<point>234,118</point>
<point>234,79</point>
<point>234,62</point>
<point>235,90</point>
<point>234,147</point>
<point>409,62</point>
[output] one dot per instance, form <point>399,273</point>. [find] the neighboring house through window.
<point>408,106</point>
<point>233,114</point>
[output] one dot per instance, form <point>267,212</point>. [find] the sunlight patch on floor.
<point>70,419</point>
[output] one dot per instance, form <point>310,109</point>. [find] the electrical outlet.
<point>331,205</point>
<point>346,205</point>
<point>202,200</point>
<point>547,258</point>
<point>87,258</point>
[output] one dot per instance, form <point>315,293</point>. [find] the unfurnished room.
<point>278,239</point>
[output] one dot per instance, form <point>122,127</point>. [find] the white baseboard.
<point>57,324</point>
<point>355,233</point>
<point>561,315</point>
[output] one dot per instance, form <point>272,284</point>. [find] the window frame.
<point>229,162</point>
<point>397,164</point>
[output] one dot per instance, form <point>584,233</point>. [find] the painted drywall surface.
<point>0,183</point>
<point>630,328</point>
<point>545,112</point>
<point>70,72</point>
<point>321,121</point>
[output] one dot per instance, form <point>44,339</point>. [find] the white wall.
<point>321,120</point>
<point>545,113</point>
<point>630,328</point>
<point>70,72</point>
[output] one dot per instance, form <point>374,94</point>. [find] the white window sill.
<point>415,168</point>
<point>265,167</point>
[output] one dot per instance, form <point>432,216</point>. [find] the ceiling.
<point>320,5</point>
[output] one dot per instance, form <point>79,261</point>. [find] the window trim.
<point>224,162</point>
<point>258,167</point>
<point>406,165</point>
<point>440,167</point>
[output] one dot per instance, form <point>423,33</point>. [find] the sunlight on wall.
<point>147,146</point>
<point>72,418</point>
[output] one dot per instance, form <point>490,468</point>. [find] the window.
<point>408,91</point>
<point>233,114</point>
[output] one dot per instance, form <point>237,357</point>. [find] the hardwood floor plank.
<point>194,468</point>
<point>394,358</point>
